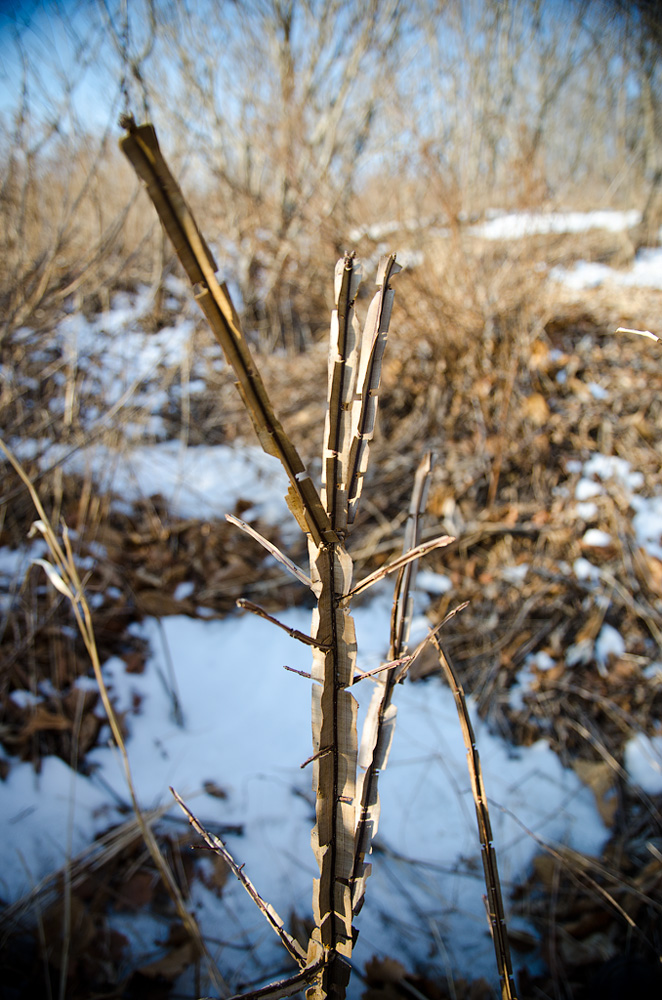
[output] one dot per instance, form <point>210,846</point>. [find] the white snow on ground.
<point>646,272</point>
<point>113,349</point>
<point>643,760</point>
<point>196,482</point>
<point>598,475</point>
<point>509,225</point>
<point>516,225</point>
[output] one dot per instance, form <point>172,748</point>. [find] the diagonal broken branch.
<point>141,148</point>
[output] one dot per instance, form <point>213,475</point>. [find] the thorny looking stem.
<point>216,844</point>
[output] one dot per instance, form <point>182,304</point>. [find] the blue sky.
<point>50,36</point>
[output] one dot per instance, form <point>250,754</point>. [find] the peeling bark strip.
<point>379,726</point>
<point>364,411</point>
<point>334,711</point>
<point>344,342</point>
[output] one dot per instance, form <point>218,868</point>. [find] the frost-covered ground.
<point>246,721</point>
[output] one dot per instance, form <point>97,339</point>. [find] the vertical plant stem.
<point>380,723</point>
<point>495,906</point>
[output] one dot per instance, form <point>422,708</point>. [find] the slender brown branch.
<point>294,632</point>
<point>380,721</point>
<point>495,905</point>
<point>284,987</point>
<point>271,548</point>
<point>140,146</point>
<point>217,845</point>
<point>301,673</point>
<point>417,553</point>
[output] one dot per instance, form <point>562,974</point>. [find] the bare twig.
<point>414,554</point>
<point>255,609</point>
<point>380,721</point>
<point>495,906</point>
<point>284,987</point>
<point>271,548</point>
<point>217,845</point>
<point>640,333</point>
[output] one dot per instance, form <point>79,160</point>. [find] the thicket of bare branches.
<point>305,121</point>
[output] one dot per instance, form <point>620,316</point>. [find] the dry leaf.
<point>653,569</point>
<point>216,875</point>
<point>384,970</point>
<point>42,720</point>
<point>137,891</point>
<point>158,604</point>
<point>536,409</point>
<point>596,948</point>
<point>215,790</point>
<point>601,779</point>
<point>172,964</point>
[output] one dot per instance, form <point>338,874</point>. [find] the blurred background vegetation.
<point>301,128</point>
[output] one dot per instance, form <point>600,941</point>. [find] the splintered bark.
<point>353,380</point>
<point>334,712</point>
<point>379,725</point>
<point>347,808</point>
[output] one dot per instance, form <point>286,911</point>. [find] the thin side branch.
<point>217,845</point>
<point>495,906</point>
<point>640,333</point>
<point>272,549</point>
<point>284,987</point>
<point>403,560</point>
<point>140,146</point>
<point>294,632</point>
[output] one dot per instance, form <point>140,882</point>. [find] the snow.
<point>526,678</point>
<point>198,481</point>
<point>597,391</point>
<point>587,510</point>
<point>509,225</point>
<point>596,538</point>
<point>643,763</point>
<point>609,643</point>
<point>586,488</point>
<point>45,819</point>
<point>517,225</point>
<point>646,272</point>
<point>647,523</point>
<point>433,583</point>
<point>515,574</point>
<point>653,672</point>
